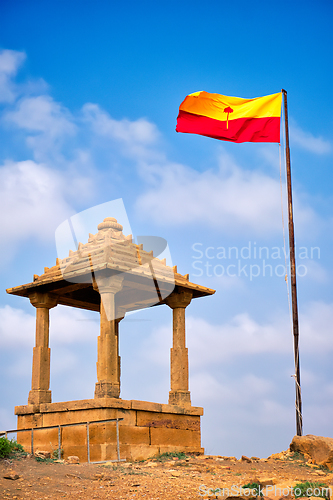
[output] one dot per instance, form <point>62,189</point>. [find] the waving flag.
<point>231,118</point>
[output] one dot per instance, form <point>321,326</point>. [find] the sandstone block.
<point>73,436</point>
<point>142,452</point>
<point>267,481</point>
<point>146,406</point>
<point>168,420</point>
<point>174,437</point>
<point>45,439</point>
<point>89,415</point>
<point>182,410</point>
<point>78,451</point>
<point>134,435</point>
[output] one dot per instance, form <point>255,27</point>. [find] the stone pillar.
<point>108,360</point>
<point>179,394</point>
<point>40,384</point>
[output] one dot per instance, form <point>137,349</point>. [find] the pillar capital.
<point>179,299</point>
<point>46,300</point>
<point>108,284</point>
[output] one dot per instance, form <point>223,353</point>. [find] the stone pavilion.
<point>112,275</point>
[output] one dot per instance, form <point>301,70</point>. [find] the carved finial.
<point>36,277</point>
<point>174,269</point>
<point>80,246</point>
<point>46,269</point>
<point>187,277</point>
<point>57,261</point>
<point>110,223</point>
<point>163,261</point>
<point>70,253</point>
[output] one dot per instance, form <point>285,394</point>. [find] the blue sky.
<point>89,95</point>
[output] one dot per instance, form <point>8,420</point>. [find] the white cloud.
<point>242,390</point>
<point>42,114</point>
<point>73,326</point>
<point>315,328</point>
<point>241,336</point>
<point>17,328</point>
<point>215,344</point>
<point>10,60</point>
<point>46,122</point>
<point>308,141</point>
<point>232,199</point>
<point>35,199</point>
<point>311,269</point>
<point>136,138</point>
<point>67,326</point>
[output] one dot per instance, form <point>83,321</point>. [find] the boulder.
<point>319,448</point>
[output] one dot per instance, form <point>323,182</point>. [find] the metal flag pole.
<point>299,418</point>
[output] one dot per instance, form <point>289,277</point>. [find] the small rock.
<point>42,454</point>
<point>11,475</point>
<point>73,460</point>
<point>246,459</point>
<point>267,481</point>
<point>280,456</point>
<point>151,464</point>
<point>175,474</point>
<point>98,476</point>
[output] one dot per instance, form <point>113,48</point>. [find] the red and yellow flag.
<point>231,118</point>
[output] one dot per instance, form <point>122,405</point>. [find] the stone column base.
<point>37,397</point>
<point>107,390</point>
<point>179,398</point>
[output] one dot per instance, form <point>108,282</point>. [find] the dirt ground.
<point>169,479</point>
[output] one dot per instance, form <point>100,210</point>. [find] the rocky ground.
<point>192,477</point>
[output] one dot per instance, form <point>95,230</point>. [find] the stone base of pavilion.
<point>147,429</point>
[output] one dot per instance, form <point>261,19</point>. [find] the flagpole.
<point>299,418</point>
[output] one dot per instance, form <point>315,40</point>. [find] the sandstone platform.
<point>147,429</point>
